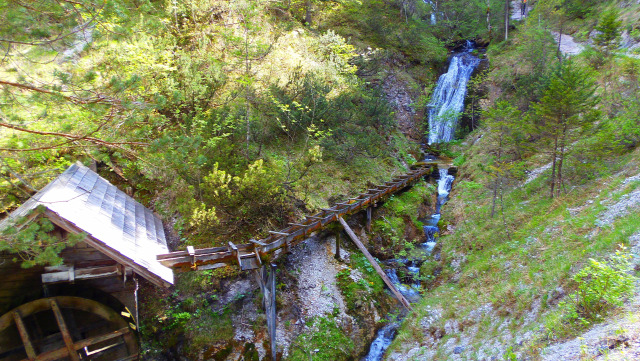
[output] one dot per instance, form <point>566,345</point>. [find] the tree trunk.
<point>246,90</point>
<point>489,18</point>
<point>553,167</point>
<point>506,19</point>
<point>495,196</point>
<point>307,16</point>
<point>563,142</point>
<point>559,53</point>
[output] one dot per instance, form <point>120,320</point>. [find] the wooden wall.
<point>19,285</point>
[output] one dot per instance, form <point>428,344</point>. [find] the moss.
<point>325,341</point>
<point>369,288</point>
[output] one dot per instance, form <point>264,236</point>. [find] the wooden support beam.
<point>24,335</point>
<point>338,237</point>
<point>369,210</point>
<point>375,265</point>
<point>66,336</point>
<point>266,277</point>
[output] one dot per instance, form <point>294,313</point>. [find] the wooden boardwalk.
<point>251,255</point>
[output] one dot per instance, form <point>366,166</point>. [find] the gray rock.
<point>458,350</point>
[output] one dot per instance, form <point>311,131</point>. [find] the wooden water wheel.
<point>66,328</point>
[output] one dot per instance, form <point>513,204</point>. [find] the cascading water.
<point>433,11</point>
<point>383,339</point>
<point>447,102</point>
<point>448,98</point>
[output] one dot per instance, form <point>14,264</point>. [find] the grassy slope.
<point>515,262</point>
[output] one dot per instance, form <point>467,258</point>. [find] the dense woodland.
<point>233,118</point>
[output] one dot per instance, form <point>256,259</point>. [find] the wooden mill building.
<point>85,308</point>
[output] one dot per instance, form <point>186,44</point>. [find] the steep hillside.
<point>531,262</point>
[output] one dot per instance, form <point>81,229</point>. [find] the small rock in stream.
<point>458,350</point>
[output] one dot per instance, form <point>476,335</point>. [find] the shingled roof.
<point>116,224</point>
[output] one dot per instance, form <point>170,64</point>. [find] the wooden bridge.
<point>250,256</point>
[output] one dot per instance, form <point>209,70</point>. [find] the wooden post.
<point>338,235</point>
<point>369,210</point>
<point>267,282</point>
<point>375,265</point>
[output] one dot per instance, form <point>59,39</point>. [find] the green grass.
<point>368,289</point>
<point>325,341</point>
<point>544,247</point>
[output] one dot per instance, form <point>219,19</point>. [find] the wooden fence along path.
<point>250,256</point>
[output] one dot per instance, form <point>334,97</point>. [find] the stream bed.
<point>444,109</point>
<point>411,292</point>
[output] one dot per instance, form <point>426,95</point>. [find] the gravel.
<point>536,173</point>
<point>623,206</point>
<point>317,287</point>
<point>568,46</point>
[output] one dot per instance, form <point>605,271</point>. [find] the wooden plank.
<point>24,335</point>
<point>257,242</point>
<point>62,352</point>
<point>66,336</point>
<point>73,274</point>
<point>375,265</point>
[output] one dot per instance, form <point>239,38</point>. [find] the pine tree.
<point>563,112</point>
<point>609,28</point>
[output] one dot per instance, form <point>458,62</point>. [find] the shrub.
<point>601,286</point>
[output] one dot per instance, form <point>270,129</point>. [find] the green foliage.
<point>601,286</point>
<point>34,243</point>
<point>242,199</point>
<point>369,288</point>
<point>323,342</point>
<point>609,28</point>
<point>567,105</point>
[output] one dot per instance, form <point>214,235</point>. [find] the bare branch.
<point>70,136</point>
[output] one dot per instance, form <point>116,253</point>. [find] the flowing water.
<point>446,105</point>
<point>433,11</point>
<point>447,102</point>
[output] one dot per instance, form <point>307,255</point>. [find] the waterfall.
<point>447,102</point>
<point>445,181</point>
<point>382,341</point>
<point>430,232</point>
<point>433,11</point>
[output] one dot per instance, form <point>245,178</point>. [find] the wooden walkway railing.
<point>248,256</point>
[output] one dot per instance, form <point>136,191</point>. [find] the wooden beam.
<point>66,336</point>
<point>375,265</point>
<point>262,244</point>
<point>24,335</point>
<point>62,352</point>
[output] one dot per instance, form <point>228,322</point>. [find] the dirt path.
<point>516,10</point>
